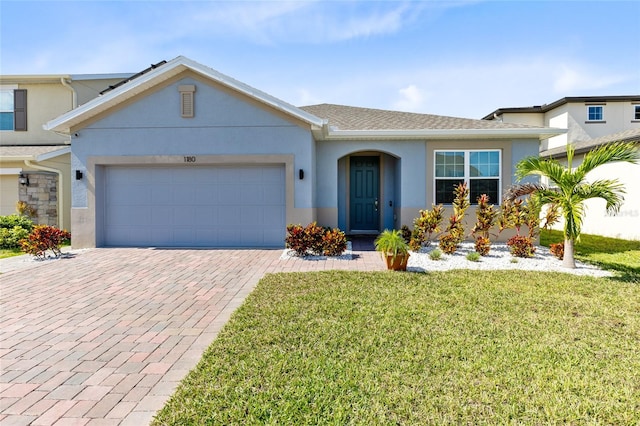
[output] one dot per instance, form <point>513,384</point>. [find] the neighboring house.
<point>186,156</point>
<point>35,163</point>
<point>591,121</point>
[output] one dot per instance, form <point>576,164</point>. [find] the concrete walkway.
<point>104,336</point>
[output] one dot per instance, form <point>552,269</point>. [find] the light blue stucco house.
<point>182,155</point>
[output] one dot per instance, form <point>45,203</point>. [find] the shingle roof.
<point>630,135</point>
<point>355,118</point>
<point>559,102</point>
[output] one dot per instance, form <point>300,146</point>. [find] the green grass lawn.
<point>456,347</point>
<point>4,253</point>
<point>622,256</point>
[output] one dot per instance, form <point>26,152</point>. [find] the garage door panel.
<point>271,215</point>
<point>224,206</point>
<point>160,196</point>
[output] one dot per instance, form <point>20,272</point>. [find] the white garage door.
<point>235,206</point>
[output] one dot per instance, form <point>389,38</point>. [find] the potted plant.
<point>394,249</point>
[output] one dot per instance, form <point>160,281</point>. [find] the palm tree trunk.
<point>568,260</point>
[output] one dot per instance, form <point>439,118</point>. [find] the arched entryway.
<point>368,192</point>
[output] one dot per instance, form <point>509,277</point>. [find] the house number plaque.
<point>190,159</point>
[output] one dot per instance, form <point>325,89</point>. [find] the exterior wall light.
<point>301,174</point>
<point>78,174</point>
<point>23,179</point>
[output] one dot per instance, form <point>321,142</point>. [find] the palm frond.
<point>549,167</point>
<point>612,191</point>
<point>610,153</point>
<point>522,190</point>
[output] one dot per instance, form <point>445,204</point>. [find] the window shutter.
<point>20,110</point>
<point>187,104</point>
<point>187,100</point>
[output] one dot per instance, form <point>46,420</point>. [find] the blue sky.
<point>458,58</point>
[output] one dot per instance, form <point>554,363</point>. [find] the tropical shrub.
<point>483,245</point>
<point>557,249</point>
<point>455,231</point>
<point>521,246</point>
<point>485,217</point>
<point>43,238</point>
<point>406,233</point>
<point>14,228</point>
<point>314,239</point>
<point>14,220</point>
<point>516,213</point>
<point>25,209</point>
<point>424,226</point>
<point>448,243</point>
<point>304,239</point>
<point>334,242</point>
<point>10,237</point>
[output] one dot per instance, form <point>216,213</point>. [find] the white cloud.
<point>300,22</point>
<point>412,99</point>
<point>572,78</point>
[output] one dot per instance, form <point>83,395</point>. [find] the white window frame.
<point>636,112</point>
<point>467,172</point>
<point>9,88</point>
<point>601,116</point>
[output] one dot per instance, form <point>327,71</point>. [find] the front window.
<point>6,109</point>
<point>595,113</point>
<point>636,112</point>
<point>480,169</point>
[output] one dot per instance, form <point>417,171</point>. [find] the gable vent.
<point>187,109</point>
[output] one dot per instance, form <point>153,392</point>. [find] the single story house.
<point>183,155</point>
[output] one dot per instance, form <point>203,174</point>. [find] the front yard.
<point>438,348</point>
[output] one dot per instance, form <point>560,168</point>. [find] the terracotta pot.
<point>397,263</point>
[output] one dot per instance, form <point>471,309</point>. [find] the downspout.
<point>74,96</point>
<point>60,188</point>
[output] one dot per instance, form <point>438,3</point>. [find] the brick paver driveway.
<point>105,337</point>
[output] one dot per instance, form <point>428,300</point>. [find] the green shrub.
<point>10,237</point>
<point>43,238</point>
<point>473,256</point>
<point>13,220</point>
<point>14,228</point>
<point>435,254</point>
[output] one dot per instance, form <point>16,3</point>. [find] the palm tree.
<point>570,189</point>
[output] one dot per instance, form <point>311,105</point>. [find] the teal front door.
<point>364,194</point>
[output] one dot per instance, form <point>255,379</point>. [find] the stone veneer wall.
<point>42,195</point>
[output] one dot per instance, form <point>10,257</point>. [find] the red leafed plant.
<point>43,238</point>
<point>314,239</point>
<point>485,217</point>
<point>557,249</point>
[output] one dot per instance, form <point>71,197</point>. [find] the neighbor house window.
<point>595,113</point>
<point>636,112</point>
<point>480,169</point>
<point>13,109</point>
